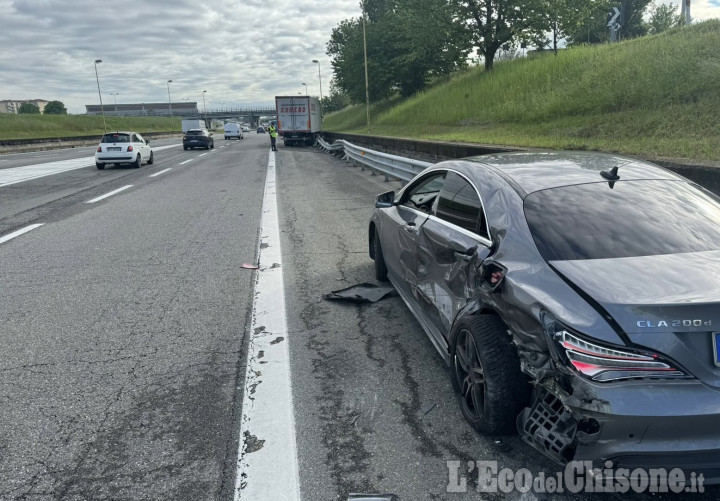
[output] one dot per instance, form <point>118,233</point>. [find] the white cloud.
<point>243,52</point>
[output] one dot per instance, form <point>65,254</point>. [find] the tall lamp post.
<point>306,92</point>
<point>114,95</point>
<point>367,86</point>
<point>97,79</point>
<point>170,103</point>
<point>319,77</point>
<point>204,108</point>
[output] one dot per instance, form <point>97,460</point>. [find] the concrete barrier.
<point>706,174</point>
<point>56,143</point>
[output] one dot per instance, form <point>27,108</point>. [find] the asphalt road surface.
<point>124,325</point>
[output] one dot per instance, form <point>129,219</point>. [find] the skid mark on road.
<point>267,468</point>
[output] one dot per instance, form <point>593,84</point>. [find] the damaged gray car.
<point>575,298</point>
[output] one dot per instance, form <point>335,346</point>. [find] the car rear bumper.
<point>638,424</point>
<point>114,158</point>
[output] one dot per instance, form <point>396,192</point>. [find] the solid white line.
<point>19,232</point>
<point>268,472</point>
<point>186,161</point>
<point>108,194</point>
<point>161,172</point>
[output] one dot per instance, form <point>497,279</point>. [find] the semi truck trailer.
<point>299,119</point>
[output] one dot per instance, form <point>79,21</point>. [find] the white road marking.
<point>267,466</point>
<point>203,154</point>
<point>15,175</point>
<point>161,172</point>
<point>19,232</point>
<point>186,161</point>
<point>108,194</point>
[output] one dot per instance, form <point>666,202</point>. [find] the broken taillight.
<point>601,363</point>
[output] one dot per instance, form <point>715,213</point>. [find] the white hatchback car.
<point>123,148</point>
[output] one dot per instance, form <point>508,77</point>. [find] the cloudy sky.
<point>243,52</point>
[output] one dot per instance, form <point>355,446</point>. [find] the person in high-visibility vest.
<point>273,135</point>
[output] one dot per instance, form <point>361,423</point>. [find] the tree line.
<point>412,42</point>
<point>51,108</point>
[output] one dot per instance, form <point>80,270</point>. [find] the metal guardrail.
<point>393,166</point>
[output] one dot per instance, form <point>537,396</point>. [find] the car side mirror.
<point>147,141</point>
<point>385,200</point>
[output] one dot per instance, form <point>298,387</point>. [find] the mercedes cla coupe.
<point>575,298</point>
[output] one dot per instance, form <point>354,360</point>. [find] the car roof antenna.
<point>611,176</point>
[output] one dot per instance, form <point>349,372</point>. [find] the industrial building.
<point>13,105</point>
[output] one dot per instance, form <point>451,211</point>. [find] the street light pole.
<point>367,85</point>
<point>114,95</point>
<point>204,108</point>
<point>306,92</point>
<point>97,79</point>
<point>319,77</point>
<point>170,103</point>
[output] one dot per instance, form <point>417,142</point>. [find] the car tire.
<point>138,162</point>
<point>99,166</point>
<point>185,148</point>
<point>151,159</point>
<point>212,145</point>
<point>380,267</point>
<point>491,388</point>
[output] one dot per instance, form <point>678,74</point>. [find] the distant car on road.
<point>198,138</point>
<point>575,297</point>
<point>245,128</point>
<point>123,148</point>
<point>233,130</point>
<point>261,130</point>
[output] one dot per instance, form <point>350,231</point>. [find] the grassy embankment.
<point>42,126</point>
<point>657,96</point>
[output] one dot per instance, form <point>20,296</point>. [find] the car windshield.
<point>633,218</point>
<point>115,138</point>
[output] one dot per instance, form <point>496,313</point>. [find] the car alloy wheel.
<point>486,374</point>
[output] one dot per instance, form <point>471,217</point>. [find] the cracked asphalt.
<point>123,327</point>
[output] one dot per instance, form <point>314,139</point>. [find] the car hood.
<point>668,303</point>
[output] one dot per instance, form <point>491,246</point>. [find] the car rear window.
<point>115,138</point>
<point>195,133</point>
<point>631,218</point>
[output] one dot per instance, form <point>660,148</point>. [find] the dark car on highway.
<point>198,138</point>
<point>575,298</point>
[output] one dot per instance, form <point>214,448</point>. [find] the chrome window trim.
<point>480,238</point>
<point>467,233</point>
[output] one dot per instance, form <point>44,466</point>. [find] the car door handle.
<point>463,255</point>
<point>410,227</point>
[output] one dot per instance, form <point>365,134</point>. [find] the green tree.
<point>337,99</point>
<point>562,18</point>
<point>55,108</point>
<point>28,109</point>
<point>408,42</point>
<point>662,18</point>
<point>632,24</point>
<point>495,23</point>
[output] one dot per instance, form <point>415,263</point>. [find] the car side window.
<point>135,138</point>
<point>459,204</point>
<point>139,138</point>
<point>422,195</point>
